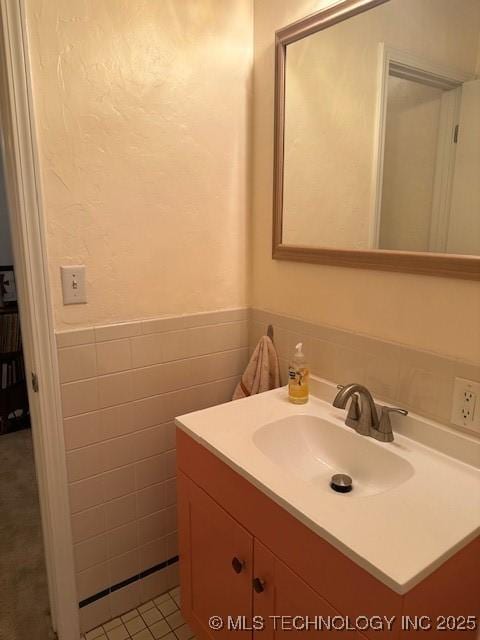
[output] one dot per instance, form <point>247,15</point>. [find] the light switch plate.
<point>73,284</point>
<point>466,404</point>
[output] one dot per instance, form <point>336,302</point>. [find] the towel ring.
<point>270,332</point>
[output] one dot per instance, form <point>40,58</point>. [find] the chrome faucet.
<point>363,412</point>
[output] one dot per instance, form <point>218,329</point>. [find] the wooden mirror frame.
<point>433,264</point>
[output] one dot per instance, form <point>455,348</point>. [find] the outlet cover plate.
<point>466,404</point>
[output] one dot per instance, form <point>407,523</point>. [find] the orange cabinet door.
<point>287,605</point>
<point>216,556</point>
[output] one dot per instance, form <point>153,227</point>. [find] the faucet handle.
<point>385,433</point>
<point>387,410</point>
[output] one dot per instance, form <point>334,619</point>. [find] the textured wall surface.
<point>142,111</point>
<point>434,314</point>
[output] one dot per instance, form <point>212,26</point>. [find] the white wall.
<point>409,162</point>
<point>143,118</point>
<point>464,225</point>
<point>142,111</point>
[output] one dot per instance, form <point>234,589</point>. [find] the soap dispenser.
<point>298,377</point>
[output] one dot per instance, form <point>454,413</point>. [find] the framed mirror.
<point>377,137</point>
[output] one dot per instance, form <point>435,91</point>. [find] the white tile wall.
<point>122,386</point>
<point>413,379</point>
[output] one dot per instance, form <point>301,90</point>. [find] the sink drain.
<point>341,483</point>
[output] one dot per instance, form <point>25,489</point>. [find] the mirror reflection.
<point>382,131</point>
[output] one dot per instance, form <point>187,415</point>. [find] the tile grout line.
<point>130,402</point>
<point>159,618</point>
<point>138,546</point>
<point>156,364</point>
<point>158,395</point>
<point>142,321</point>
<point>119,585</point>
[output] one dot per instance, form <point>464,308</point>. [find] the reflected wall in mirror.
<point>378,130</point>
<point>428,191</point>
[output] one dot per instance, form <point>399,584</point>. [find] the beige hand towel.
<point>262,372</point>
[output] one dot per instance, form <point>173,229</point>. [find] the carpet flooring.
<point>24,609</point>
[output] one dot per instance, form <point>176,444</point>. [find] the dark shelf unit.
<point>13,388</point>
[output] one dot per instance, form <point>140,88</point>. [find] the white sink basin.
<point>314,449</point>
<point>415,502</point>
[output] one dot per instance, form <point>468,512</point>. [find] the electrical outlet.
<point>466,404</point>
<point>73,284</point>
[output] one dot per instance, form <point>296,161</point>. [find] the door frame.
<point>27,220</point>
<point>402,64</point>
<point>444,169</point>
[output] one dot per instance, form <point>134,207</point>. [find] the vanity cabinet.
<point>225,572</point>
<point>217,557</point>
<point>286,594</point>
<point>242,554</point>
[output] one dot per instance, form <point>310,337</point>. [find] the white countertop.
<point>399,536</point>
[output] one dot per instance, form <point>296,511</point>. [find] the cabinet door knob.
<point>258,585</point>
<point>237,565</point>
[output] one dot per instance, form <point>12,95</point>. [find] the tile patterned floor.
<point>159,618</point>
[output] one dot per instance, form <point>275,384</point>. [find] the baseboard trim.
<point>125,583</point>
